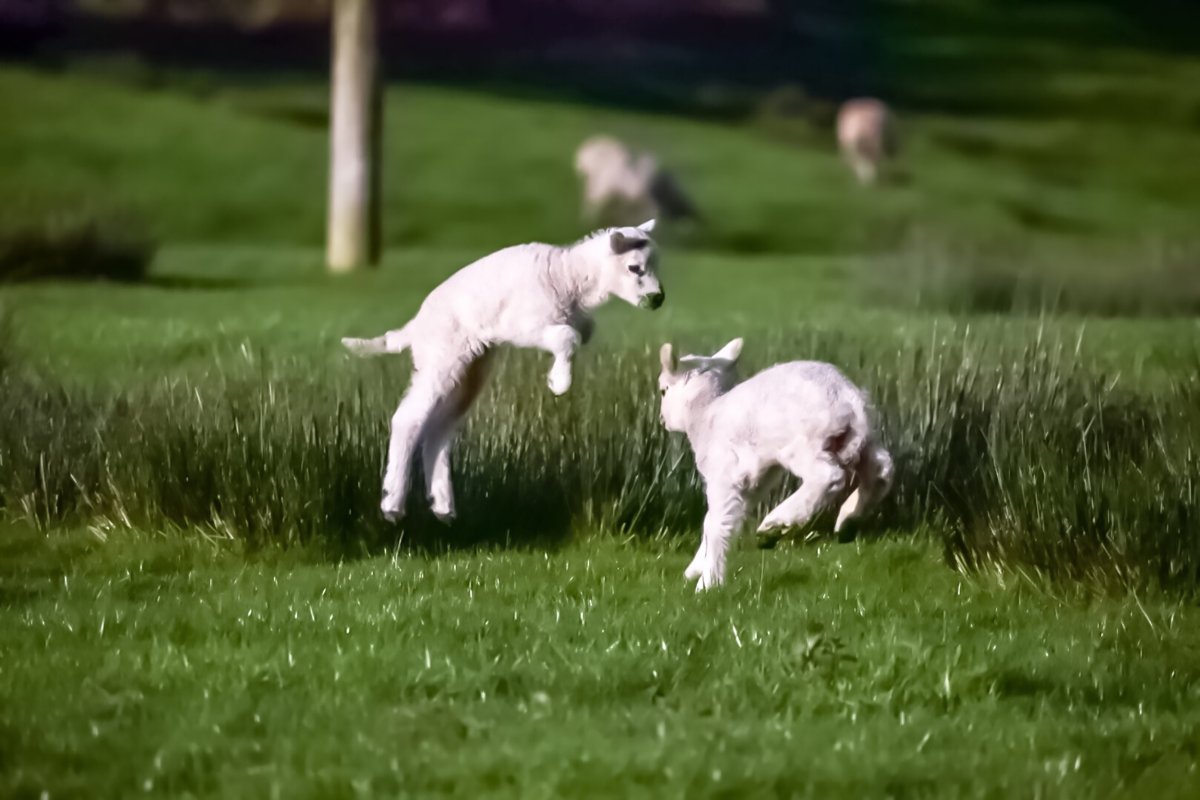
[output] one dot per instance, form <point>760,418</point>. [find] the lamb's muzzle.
<point>653,301</point>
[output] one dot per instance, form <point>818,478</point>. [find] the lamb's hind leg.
<point>439,438</point>
<point>823,480</point>
<point>435,456</point>
<point>863,162</point>
<point>408,423</point>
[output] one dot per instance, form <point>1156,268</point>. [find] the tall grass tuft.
<point>75,244</point>
<point>6,354</point>
<point>1019,457</point>
<point>931,273</point>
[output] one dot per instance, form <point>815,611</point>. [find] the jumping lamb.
<point>802,417</point>
<point>866,132</point>
<point>627,185</point>
<point>530,295</point>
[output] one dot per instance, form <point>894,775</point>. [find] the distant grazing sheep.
<point>866,132</point>
<point>621,185</point>
<point>802,417</point>
<point>530,295</point>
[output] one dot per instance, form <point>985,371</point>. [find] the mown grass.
<point>141,665</point>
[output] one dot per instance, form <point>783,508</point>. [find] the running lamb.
<point>530,295</point>
<point>804,417</point>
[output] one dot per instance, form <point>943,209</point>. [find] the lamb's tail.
<point>392,342</point>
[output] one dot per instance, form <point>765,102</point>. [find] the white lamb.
<point>866,133</point>
<point>530,295</point>
<point>804,417</point>
<point>620,182</point>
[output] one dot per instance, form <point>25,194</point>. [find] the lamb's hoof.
<point>558,387</point>
<point>708,581</point>
<point>772,527</point>
<point>391,512</point>
<point>767,540</point>
<point>357,347</point>
<point>444,515</point>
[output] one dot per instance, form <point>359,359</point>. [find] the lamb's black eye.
<point>636,269</point>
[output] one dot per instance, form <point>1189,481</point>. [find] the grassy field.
<point>198,598</point>
<point>168,667</point>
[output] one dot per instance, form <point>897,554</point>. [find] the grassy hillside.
<point>246,163</point>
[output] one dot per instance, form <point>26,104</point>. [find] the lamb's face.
<point>631,267</point>
<point>679,390</point>
<point>684,391</point>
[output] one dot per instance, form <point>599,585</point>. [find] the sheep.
<point>618,181</point>
<point>530,295</point>
<point>802,417</point>
<point>866,132</point>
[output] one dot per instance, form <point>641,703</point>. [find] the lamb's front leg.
<point>560,341</point>
<point>726,509</point>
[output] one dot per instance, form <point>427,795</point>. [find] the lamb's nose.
<point>653,301</point>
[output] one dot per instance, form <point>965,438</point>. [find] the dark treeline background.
<point>711,57</point>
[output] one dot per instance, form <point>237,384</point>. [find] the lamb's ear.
<point>666,357</point>
<point>647,226</point>
<point>729,352</point>
<point>621,243</point>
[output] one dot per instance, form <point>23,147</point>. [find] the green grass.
<point>197,596</point>
<point>989,176</point>
<point>140,664</point>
